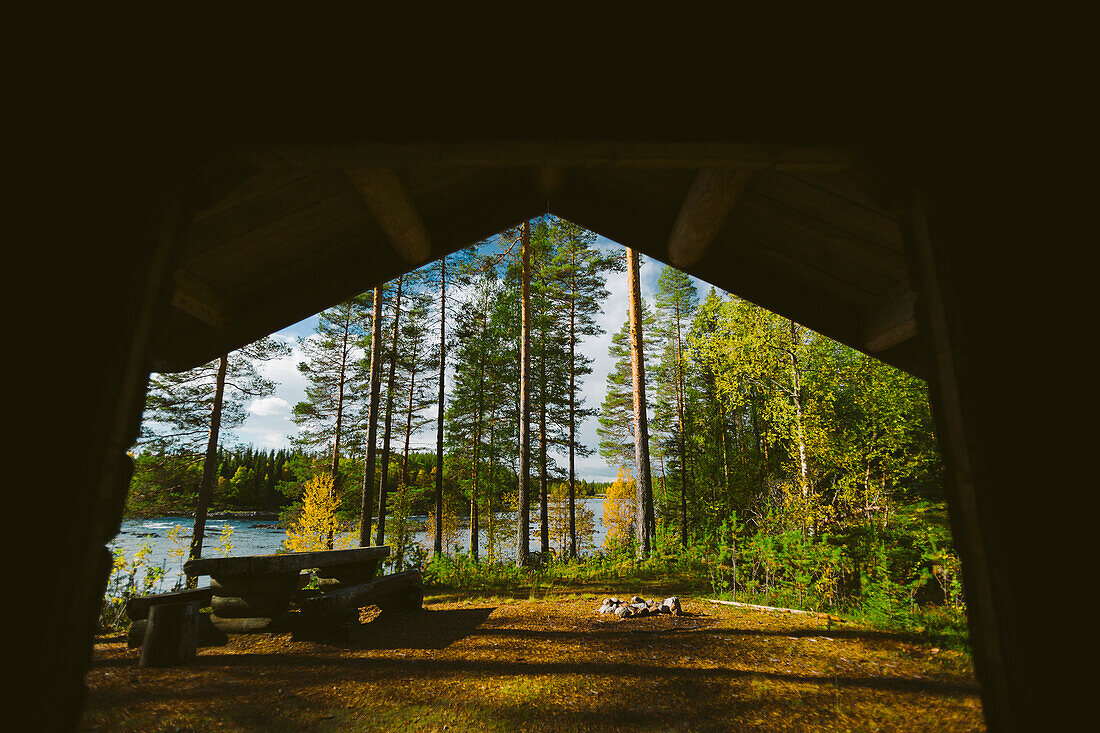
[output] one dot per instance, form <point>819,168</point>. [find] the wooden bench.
<point>137,609</point>
<point>253,593</point>
<point>333,616</point>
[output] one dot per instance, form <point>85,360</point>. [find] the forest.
<point>774,463</point>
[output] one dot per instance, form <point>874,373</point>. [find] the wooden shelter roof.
<point>810,233</point>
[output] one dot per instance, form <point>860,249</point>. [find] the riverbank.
<point>220,514</point>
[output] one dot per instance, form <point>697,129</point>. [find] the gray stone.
<point>624,612</point>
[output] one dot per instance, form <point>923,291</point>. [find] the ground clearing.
<point>549,664</point>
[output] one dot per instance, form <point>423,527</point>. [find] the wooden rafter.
<point>892,322</point>
<point>519,153</point>
<point>704,211</point>
<point>394,210</point>
<point>549,180</point>
<point>193,296</point>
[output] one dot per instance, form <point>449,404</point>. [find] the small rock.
<point>636,599</point>
<point>624,612</point>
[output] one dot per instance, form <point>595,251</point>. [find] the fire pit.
<point>640,607</point>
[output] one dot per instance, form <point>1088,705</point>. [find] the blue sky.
<point>269,425</point>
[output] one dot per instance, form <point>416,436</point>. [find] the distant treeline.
<point>250,479</point>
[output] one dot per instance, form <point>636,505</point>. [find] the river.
<point>262,537</point>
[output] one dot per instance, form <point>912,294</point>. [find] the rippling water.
<point>259,537</point>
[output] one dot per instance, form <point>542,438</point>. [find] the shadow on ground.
<point>539,666</point>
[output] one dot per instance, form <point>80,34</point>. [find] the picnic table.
<point>253,593</point>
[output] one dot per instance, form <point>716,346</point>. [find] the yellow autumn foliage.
<point>317,521</point>
<point>618,510</point>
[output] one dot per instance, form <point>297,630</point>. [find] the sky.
<point>269,424</point>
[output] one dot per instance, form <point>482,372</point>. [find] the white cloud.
<point>269,407</point>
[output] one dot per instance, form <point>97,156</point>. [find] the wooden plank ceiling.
<point>296,228</point>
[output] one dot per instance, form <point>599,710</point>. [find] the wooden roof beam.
<point>549,181</point>
<point>530,153</point>
<point>892,322</point>
<point>394,210</point>
<point>703,213</point>
<point>193,296</point>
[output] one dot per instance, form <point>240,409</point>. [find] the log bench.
<point>252,594</point>
<point>334,615</point>
<point>137,609</point>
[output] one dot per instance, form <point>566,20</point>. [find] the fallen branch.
<point>754,607</point>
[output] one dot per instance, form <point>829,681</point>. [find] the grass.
<point>495,660</point>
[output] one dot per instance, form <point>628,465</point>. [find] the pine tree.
<point>579,269</point>
<point>616,415</point>
<point>181,409</point>
<point>549,369</point>
<point>416,357</point>
<point>334,369</point>
<point>384,479</point>
<point>676,302</point>
<point>374,393</point>
<point>523,522</point>
<point>474,395</point>
<point>646,524</point>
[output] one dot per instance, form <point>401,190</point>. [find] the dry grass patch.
<point>512,664</point>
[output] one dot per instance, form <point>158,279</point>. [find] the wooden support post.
<point>209,634</point>
<point>983,510</point>
<point>171,635</point>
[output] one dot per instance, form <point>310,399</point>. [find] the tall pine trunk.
<point>209,467</point>
<point>489,486</point>
<point>683,436</point>
<point>437,543</point>
<point>474,528</point>
<point>409,417</point>
<point>473,496</point>
<point>544,518</point>
<point>334,469</point>
<point>384,483</point>
<point>644,494</point>
<point>372,418</point>
<point>572,405</point>
<point>523,523</point>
